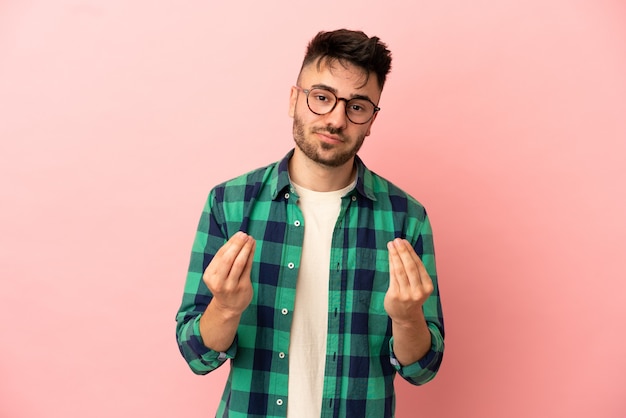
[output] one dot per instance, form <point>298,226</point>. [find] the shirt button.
<point>286,195</point>
<point>297,223</point>
<point>281,355</point>
<point>284,311</point>
<point>291,265</point>
<point>354,198</point>
<point>279,402</point>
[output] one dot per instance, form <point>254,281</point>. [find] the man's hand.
<point>409,287</point>
<point>228,275</point>
<point>409,283</point>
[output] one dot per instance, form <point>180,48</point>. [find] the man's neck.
<point>318,177</point>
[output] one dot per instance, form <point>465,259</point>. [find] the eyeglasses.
<point>322,101</point>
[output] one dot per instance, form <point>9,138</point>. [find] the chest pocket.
<point>371,281</point>
<point>368,321</point>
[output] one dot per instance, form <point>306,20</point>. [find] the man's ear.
<point>293,99</point>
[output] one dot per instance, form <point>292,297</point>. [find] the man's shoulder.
<point>251,177</point>
<point>264,180</point>
<point>385,190</point>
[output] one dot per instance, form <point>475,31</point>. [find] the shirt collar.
<point>280,178</point>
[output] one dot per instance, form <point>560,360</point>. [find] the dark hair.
<point>350,47</point>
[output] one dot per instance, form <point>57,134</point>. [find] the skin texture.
<point>322,161</point>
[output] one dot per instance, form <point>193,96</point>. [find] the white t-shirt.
<point>307,344</point>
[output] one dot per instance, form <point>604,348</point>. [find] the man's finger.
<point>412,264</point>
<point>243,261</point>
<point>225,257</point>
<point>397,273</point>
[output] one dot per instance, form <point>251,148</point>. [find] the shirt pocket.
<point>368,321</point>
<point>371,281</point>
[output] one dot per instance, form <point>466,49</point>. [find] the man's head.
<point>352,48</point>
<point>335,100</point>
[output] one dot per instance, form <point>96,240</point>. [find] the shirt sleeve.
<point>426,368</point>
<point>196,297</point>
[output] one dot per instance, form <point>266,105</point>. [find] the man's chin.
<point>333,161</point>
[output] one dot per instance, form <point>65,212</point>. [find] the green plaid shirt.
<point>360,365</point>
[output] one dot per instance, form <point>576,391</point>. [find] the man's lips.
<point>329,137</point>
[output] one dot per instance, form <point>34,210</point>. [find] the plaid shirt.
<point>360,365</point>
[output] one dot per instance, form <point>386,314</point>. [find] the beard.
<point>321,153</point>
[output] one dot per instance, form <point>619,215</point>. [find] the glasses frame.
<point>338,99</point>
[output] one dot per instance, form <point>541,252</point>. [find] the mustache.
<point>330,130</point>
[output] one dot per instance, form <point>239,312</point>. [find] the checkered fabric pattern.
<point>360,365</point>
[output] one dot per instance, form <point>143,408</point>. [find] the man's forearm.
<point>218,327</point>
<point>411,341</point>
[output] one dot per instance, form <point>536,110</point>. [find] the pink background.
<point>507,119</point>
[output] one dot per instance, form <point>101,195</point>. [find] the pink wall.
<point>506,119</point>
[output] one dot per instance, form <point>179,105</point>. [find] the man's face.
<point>332,139</point>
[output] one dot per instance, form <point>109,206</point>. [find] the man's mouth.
<point>329,137</point>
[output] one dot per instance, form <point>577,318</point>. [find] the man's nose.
<point>337,117</point>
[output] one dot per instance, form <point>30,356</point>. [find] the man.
<point>314,276</point>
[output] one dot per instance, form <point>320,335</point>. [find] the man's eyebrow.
<point>324,87</point>
<point>361,97</point>
<point>334,90</point>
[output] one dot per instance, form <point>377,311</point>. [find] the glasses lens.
<point>321,101</point>
<point>359,110</point>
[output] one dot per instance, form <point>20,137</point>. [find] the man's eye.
<point>360,107</point>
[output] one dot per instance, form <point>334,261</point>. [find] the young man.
<point>314,276</point>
